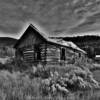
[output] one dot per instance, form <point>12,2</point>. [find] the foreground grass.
<point>97,75</point>
<point>16,86</point>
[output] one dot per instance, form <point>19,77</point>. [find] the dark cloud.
<point>55,16</point>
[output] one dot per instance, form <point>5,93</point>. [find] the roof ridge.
<point>41,33</point>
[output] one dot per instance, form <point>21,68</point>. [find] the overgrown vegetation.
<point>7,51</point>
<point>22,81</point>
<point>19,86</point>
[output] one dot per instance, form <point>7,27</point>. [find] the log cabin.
<point>35,47</point>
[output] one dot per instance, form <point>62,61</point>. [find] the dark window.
<point>79,55</point>
<point>63,54</point>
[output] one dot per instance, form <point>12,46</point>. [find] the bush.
<point>74,79</point>
<point>20,65</point>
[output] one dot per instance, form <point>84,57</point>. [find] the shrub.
<point>20,65</point>
<point>74,79</point>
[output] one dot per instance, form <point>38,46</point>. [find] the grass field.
<point>97,75</point>
<point>16,86</point>
<point>22,86</point>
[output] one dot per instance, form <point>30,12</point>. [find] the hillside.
<point>86,41</point>
<point>7,41</point>
<point>85,38</point>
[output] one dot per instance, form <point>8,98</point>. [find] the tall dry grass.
<point>17,86</point>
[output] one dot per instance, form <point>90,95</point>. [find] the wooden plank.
<point>30,39</point>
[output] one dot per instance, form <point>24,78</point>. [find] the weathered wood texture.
<point>48,54</point>
<point>53,54</point>
<point>34,54</point>
<point>31,38</point>
<point>34,48</point>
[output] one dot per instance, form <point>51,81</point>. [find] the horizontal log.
<point>27,49</point>
<point>29,52</point>
<point>28,58</point>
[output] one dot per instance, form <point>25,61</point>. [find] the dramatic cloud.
<point>55,16</point>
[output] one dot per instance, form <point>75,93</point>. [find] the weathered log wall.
<point>53,54</point>
<point>28,54</point>
<point>49,54</point>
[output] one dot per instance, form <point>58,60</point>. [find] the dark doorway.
<point>37,53</point>
<point>63,52</point>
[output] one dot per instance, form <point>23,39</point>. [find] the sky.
<point>53,17</point>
